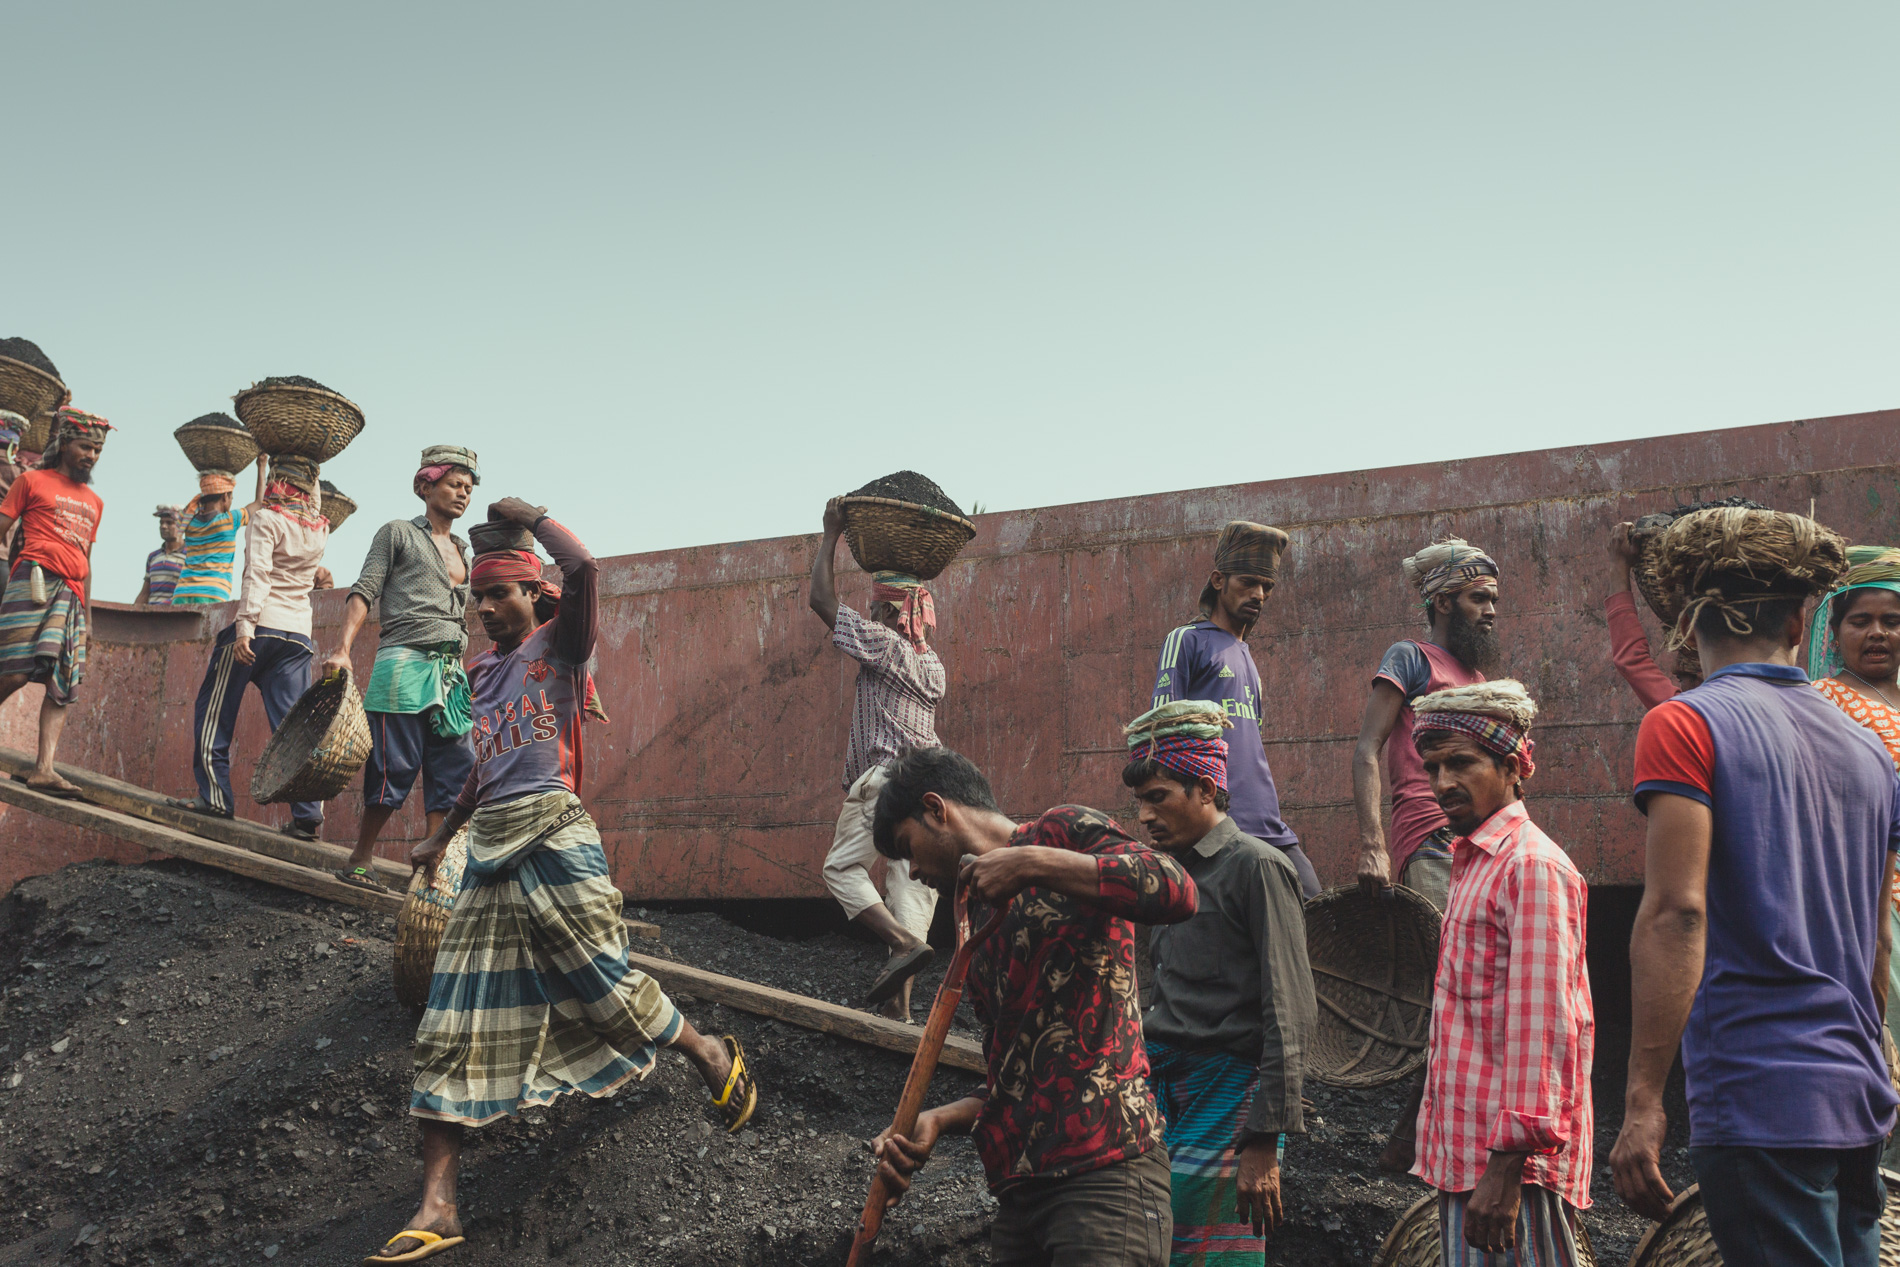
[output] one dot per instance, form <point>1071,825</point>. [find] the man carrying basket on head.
<point>900,683</point>
<point>416,576</point>
<point>268,646</point>
<point>44,616</point>
<point>532,996</point>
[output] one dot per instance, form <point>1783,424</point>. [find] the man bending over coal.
<point>1066,1126</point>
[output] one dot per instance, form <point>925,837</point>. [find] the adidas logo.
<point>1224,672</point>
<point>1164,680</point>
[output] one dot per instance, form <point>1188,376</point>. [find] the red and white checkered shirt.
<point>1513,1031</point>
<point>898,690</point>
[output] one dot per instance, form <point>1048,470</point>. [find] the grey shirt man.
<point>406,584</point>
<point>1235,977</point>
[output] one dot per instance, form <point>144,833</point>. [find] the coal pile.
<point>195,1068</point>
<point>909,486</point>
<point>293,380</point>
<point>29,352</point>
<point>217,420</point>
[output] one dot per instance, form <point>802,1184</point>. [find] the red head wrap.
<point>1192,756</point>
<point>506,565</point>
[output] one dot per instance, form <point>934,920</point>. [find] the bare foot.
<point>447,1226</point>
<point>896,1007</point>
<point>50,783</point>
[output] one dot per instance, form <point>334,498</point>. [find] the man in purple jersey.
<point>1209,660</point>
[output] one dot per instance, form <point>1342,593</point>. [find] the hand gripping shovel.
<point>923,1065</point>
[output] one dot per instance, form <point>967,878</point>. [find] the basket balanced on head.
<point>30,386</point>
<point>1646,536</point>
<point>904,523</point>
<point>318,748</point>
<point>217,442</point>
<point>300,416</point>
<point>1373,960</point>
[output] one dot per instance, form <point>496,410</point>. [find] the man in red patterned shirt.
<point>1066,1126</point>
<point>1504,1131</point>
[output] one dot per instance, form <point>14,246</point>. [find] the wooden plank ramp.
<point>316,881</point>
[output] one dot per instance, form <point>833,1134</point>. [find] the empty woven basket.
<point>1683,1239</point>
<point>887,535</point>
<point>337,505</point>
<point>320,745</point>
<point>1373,961</point>
<point>211,447</point>
<point>1413,1240</point>
<point>307,421</point>
<point>503,534</point>
<point>423,918</point>
<point>34,394</point>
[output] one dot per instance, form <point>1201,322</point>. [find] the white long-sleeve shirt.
<point>281,557</point>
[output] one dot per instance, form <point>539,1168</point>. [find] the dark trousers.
<point>1793,1207</point>
<point>281,675</point>
<point>1118,1216</point>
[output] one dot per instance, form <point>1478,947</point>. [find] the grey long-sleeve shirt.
<point>1235,977</point>
<point>406,583</point>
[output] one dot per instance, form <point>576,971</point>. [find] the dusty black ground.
<point>909,486</point>
<point>198,1069</point>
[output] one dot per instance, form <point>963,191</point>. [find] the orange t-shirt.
<point>1880,718</point>
<point>59,520</point>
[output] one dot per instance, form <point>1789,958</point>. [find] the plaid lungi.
<point>532,995</point>
<point>1205,1097</point>
<point>45,642</point>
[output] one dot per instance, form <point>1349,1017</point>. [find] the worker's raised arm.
<point>824,589</point>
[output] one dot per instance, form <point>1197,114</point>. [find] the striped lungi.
<point>1204,1097</point>
<point>1546,1232</point>
<point>532,995</point>
<point>47,642</point>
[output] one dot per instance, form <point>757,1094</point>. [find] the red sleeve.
<point>1629,651</point>
<point>1675,754</point>
<point>16,497</point>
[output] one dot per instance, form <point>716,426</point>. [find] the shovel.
<point>923,1065</point>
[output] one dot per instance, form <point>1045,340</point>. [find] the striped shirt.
<point>406,584</point>
<point>161,576</point>
<point>898,691</point>
<point>1513,1029</point>
<point>210,555</point>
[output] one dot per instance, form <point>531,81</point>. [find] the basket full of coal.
<point>904,523</point>
<point>297,415</point>
<point>31,387</point>
<point>217,442</point>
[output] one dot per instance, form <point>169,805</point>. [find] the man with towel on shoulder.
<point>268,645</point>
<point>416,576</point>
<point>533,997</point>
<point>900,684</point>
<point>1209,660</point>
<point>1233,1009</point>
<point>45,614</point>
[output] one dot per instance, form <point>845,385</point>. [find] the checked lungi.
<point>1205,1097</point>
<point>45,641</point>
<point>1546,1233</point>
<point>532,996</point>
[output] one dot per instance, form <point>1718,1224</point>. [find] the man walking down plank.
<point>1066,1126</point>
<point>900,683</point>
<point>416,576</point>
<point>533,997</point>
<point>45,614</point>
<point>1233,1010</point>
<point>1209,659</point>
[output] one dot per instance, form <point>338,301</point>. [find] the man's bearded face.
<point>1471,633</point>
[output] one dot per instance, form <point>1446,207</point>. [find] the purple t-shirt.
<point>1782,1049</point>
<point>1204,661</point>
<point>527,702</point>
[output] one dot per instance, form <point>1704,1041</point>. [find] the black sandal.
<point>901,967</point>
<point>362,878</point>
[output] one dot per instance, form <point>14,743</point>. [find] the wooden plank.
<point>131,799</point>
<point>747,996</point>
<point>801,1010</point>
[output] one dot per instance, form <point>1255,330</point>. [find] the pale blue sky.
<point>683,271</point>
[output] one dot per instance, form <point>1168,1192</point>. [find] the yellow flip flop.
<point>741,1095</point>
<point>432,1245</point>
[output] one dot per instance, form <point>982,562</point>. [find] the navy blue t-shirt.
<point>1204,661</point>
<point>1782,1049</point>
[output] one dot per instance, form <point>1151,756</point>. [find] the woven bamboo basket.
<point>1646,536</point>
<point>423,918</point>
<point>306,421</point>
<point>503,535</point>
<point>887,535</point>
<point>318,748</point>
<point>337,505</point>
<point>1413,1240</point>
<point>38,434</point>
<point>1683,1238</point>
<point>209,447</point>
<point>1373,961</point>
<point>33,394</point>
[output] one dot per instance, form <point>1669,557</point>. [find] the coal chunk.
<point>217,420</point>
<point>294,380</point>
<point>909,486</point>
<point>28,351</point>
